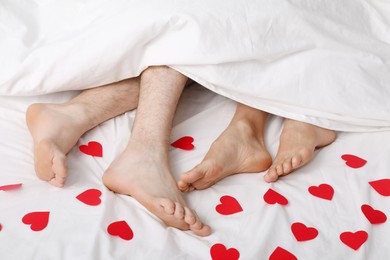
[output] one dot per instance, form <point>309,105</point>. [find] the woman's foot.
<point>298,142</point>
<point>239,149</point>
<point>144,174</point>
<point>55,130</point>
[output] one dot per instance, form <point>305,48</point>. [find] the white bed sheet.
<point>322,62</point>
<point>79,231</point>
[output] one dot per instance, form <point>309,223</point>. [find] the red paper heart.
<point>10,187</point>
<point>184,143</point>
<point>272,197</point>
<point>120,229</point>
<point>302,232</point>
<point>373,215</point>
<point>282,254</point>
<point>354,240</point>
<point>353,161</point>
<point>323,191</point>
<point>90,197</point>
<point>1,227</point>
<point>93,148</point>
<point>229,205</point>
<point>37,220</point>
<point>219,252</point>
<point>381,186</point>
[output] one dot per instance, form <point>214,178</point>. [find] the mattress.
<point>335,207</point>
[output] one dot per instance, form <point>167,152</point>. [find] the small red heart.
<point>10,187</point>
<point>93,148</point>
<point>381,186</point>
<point>374,216</point>
<point>272,197</point>
<point>229,205</point>
<point>120,229</point>
<point>354,240</point>
<point>219,252</point>
<point>302,232</point>
<point>37,220</point>
<point>184,143</point>
<point>323,191</point>
<point>90,197</point>
<point>282,254</point>
<point>1,227</point>
<point>353,161</point>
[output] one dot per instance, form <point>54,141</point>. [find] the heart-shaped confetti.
<point>273,197</point>
<point>354,240</point>
<point>302,232</point>
<point>10,187</point>
<point>184,143</point>
<point>353,161</point>
<point>229,205</point>
<point>90,197</point>
<point>373,215</point>
<point>323,191</point>
<point>120,229</point>
<point>219,252</point>
<point>381,186</point>
<point>282,254</point>
<point>93,148</point>
<point>37,220</point>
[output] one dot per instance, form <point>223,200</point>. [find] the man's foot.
<point>55,130</point>
<point>298,142</point>
<point>239,149</point>
<point>144,174</point>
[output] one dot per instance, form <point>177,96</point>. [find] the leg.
<point>298,142</point>
<point>240,148</point>
<point>56,128</point>
<point>142,170</point>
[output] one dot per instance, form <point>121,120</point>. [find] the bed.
<point>336,207</point>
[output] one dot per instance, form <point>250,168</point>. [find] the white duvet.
<point>320,61</point>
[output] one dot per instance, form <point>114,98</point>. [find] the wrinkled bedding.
<point>325,63</point>
<point>321,62</point>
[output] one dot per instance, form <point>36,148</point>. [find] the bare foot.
<point>298,142</point>
<point>55,131</point>
<point>239,149</point>
<point>144,174</point>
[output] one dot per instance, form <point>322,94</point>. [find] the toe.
<point>168,206</point>
<point>60,170</point>
<point>43,160</point>
<point>199,228</point>
<point>279,169</point>
<point>183,186</point>
<point>192,175</point>
<point>296,161</point>
<point>190,217</point>
<point>287,167</point>
<point>57,182</point>
<point>271,175</point>
<point>205,230</point>
<point>179,211</point>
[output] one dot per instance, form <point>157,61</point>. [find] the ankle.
<point>156,151</point>
<point>84,120</point>
<point>249,128</point>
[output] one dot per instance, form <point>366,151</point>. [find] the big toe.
<point>188,178</point>
<point>193,175</point>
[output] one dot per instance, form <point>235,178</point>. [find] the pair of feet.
<point>140,171</point>
<point>143,172</point>
<point>239,150</point>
